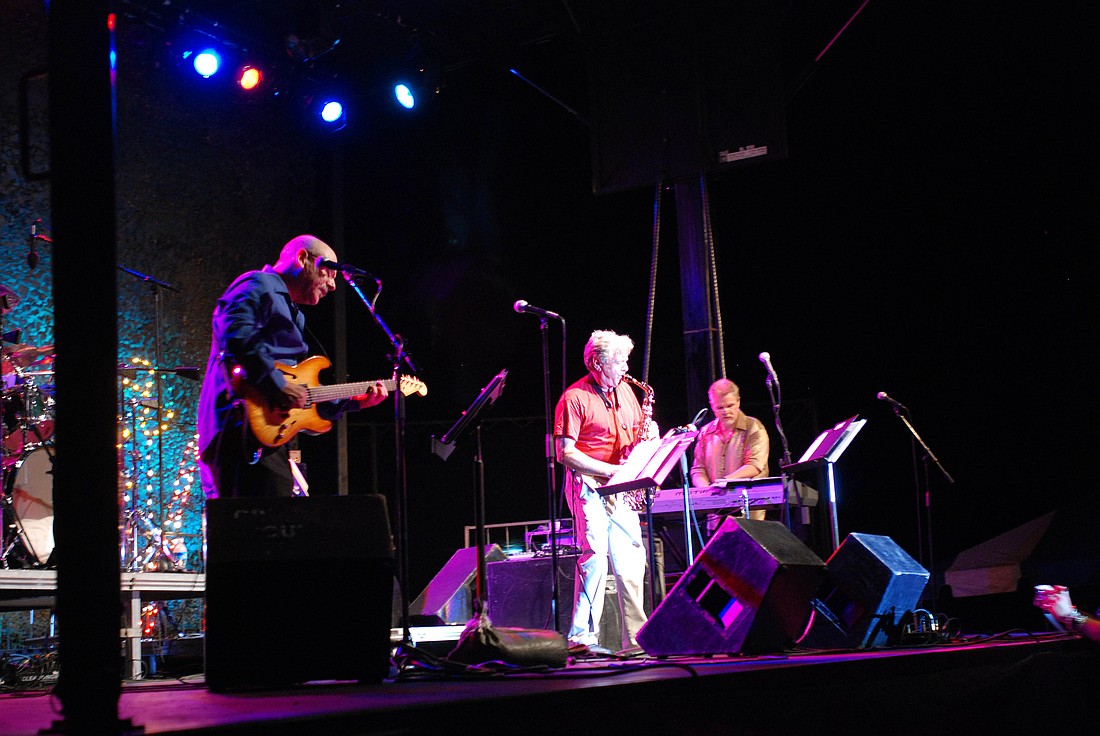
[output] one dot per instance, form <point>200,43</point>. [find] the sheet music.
<point>641,458</point>
<point>829,445</point>
<point>833,436</point>
<point>649,463</point>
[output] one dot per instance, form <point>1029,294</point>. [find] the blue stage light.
<point>331,111</point>
<point>207,62</point>
<point>405,96</point>
<point>332,114</point>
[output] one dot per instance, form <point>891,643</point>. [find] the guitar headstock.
<point>411,385</point>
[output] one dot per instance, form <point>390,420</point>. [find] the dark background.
<point>926,234</point>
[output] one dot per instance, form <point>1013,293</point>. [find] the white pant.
<point>607,531</point>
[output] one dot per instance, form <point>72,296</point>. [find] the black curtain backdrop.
<point>926,236</point>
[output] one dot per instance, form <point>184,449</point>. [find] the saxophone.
<point>636,499</point>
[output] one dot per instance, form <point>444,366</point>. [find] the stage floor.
<point>969,686</point>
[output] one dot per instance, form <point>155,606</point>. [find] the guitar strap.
<point>299,479</point>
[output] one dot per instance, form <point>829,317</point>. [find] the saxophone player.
<point>596,422</point>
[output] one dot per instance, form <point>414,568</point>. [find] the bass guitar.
<point>274,426</point>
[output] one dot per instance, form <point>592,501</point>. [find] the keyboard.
<point>767,493</point>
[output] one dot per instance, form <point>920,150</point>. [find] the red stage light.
<point>249,78</point>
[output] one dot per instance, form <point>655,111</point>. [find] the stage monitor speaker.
<point>450,594</point>
<point>871,583</point>
<point>297,589</point>
<point>749,590</point>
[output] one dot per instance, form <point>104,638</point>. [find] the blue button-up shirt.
<point>255,324</point>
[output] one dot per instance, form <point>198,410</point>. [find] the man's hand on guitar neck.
<point>376,394</point>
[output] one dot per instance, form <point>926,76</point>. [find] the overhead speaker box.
<point>297,589</point>
<point>680,89</point>
<point>449,597</point>
<point>749,590</point>
<point>871,583</point>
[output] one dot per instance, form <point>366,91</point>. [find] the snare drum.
<point>31,491</point>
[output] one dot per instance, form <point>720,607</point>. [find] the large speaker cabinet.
<point>749,590</point>
<point>297,589</point>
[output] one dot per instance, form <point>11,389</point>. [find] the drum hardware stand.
<point>8,521</point>
<point>157,554</point>
<point>133,514</point>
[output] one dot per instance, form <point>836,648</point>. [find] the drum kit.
<point>27,424</point>
<point>27,451</point>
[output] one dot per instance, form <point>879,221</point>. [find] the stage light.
<point>405,95</point>
<point>332,114</point>
<point>414,89</point>
<point>332,111</point>
<point>207,62</point>
<point>249,78</point>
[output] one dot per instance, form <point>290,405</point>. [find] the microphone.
<point>32,254</point>
<point>522,307</point>
<point>766,359</point>
<point>323,262</point>
<point>883,396</point>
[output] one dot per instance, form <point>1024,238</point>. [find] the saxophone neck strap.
<point>606,394</point>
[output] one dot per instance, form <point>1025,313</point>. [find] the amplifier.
<point>521,595</point>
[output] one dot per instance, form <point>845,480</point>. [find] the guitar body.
<point>275,426</point>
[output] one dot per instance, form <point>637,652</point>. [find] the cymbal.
<point>8,299</point>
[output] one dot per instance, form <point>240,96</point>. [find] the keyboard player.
<point>732,445</point>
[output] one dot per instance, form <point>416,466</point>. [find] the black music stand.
<point>444,446</point>
<point>826,450</point>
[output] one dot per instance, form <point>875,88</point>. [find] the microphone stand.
<point>551,459</point>
<point>924,498</point>
<point>157,286</point>
<point>776,393</point>
<point>398,357</point>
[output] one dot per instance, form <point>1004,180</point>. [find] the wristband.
<point>1075,621</point>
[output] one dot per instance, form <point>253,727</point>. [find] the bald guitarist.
<point>258,336</point>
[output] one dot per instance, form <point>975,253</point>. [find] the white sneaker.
<point>587,639</point>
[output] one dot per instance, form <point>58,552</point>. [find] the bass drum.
<point>32,502</point>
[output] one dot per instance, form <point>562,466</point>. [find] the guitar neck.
<point>337,391</point>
